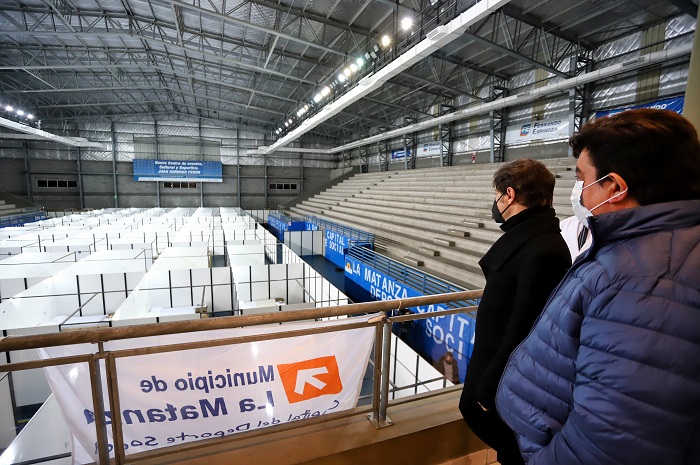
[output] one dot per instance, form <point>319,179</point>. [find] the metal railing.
<point>356,234</point>
<point>407,275</point>
<point>100,336</point>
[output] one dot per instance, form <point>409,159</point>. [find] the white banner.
<point>429,149</point>
<point>176,397</point>
<point>536,130</point>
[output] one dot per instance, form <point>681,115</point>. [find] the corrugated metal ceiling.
<point>256,62</point>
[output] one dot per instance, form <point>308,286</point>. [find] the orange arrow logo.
<point>310,378</point>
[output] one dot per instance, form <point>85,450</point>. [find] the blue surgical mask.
<point>581,212</point>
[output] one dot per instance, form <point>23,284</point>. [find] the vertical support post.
<point>364,159</point>
<point>155,143</point>
<point>98,409</point>
<point>201,157</point>
<point>380,382</point>
<point>386,363</point>
<point>266,186</point>
<point>114,163</point>
<point>410,143</point>
<point>27,174</point>
<point>301,177</point>
<point>446,106</point>
<point>115,408</point>
<point>377,375</point>
<point>384,155</point>
<point>497,127</point>
<point>80,180</point>
<point>238,166</point>
<point>580,96</point>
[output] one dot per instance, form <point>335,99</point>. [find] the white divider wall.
<point>304,242</point>
<point>15,279</point>
<point>288,256</point>
<point>211,287</point>
<point>323,293</point>
<point>294,283</point>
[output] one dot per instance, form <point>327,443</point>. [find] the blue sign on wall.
<point>672,104</point>
<point>400,154</point>
<point>336,247</point>
<point>431,337</point>
<point>177,170</point>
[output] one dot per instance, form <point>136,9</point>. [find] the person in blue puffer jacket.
<point>610,373</point>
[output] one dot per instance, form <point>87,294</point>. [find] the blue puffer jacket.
<point>610,373</point>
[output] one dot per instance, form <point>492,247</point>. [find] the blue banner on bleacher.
<point>336,246</point>
<point>431,337</point>
<point>280,226</point>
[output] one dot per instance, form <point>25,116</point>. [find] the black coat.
<point>522,268</point>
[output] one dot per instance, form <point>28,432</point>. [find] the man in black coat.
<point>522,268</point>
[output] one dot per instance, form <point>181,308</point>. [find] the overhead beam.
<point>124,35</point>
<point>514,54</point>
<point>72,141</point>
<point>435,40</point>
<point>289,9</point>
<point>266,30</point>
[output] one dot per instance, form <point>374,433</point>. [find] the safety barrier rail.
<point>382,352</point>
<point>356,234</point>
<point>403,273</point>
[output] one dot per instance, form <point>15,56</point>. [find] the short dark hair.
<point>532,182</point>
<point>656,152</point>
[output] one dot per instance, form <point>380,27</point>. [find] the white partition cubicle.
<point>135,275</point>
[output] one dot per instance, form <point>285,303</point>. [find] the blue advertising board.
<point>280,226</point>
<point>177,170</point>
<point>400,154</point>
<point>672,104</point>
<point>336,247</point>
<point>430,337</point>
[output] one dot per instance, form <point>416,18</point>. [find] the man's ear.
<point>510,193</point>
<point>618,188</point>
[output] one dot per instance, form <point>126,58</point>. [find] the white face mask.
<point>581,212</point>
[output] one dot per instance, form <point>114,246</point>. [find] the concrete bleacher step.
<point>458,232</point>
<point>414,261</point>
<point>444,242</point>
<point>472,224</point>
<point>429,251</point>
<point>439,217</point>
<point>464,258</point>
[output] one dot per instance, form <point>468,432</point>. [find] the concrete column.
<point>691,108</point>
